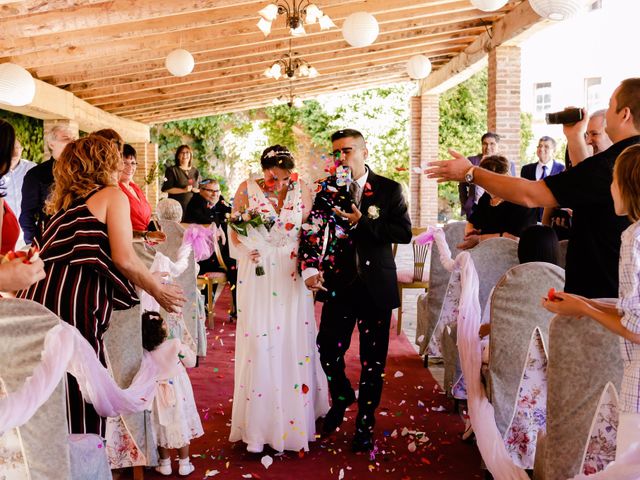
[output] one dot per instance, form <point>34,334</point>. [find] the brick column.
<point>49,124</point>
<point>415,158</point>
<point>147,158</point>
<point>504,99</point>
<point>429,138</point>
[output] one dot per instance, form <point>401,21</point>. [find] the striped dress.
<point>82,287</point>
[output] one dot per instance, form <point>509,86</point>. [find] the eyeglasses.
<point>210,190</point>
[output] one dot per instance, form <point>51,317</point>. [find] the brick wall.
<point>504,99</point>
<point>428,152</point>
<point>147,158</point>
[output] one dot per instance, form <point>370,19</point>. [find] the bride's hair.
<point>277,156</point>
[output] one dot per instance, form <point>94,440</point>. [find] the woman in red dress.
<point>16,274</point>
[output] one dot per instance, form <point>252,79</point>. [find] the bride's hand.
<point>254,255</point>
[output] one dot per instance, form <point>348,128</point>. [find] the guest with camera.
<point>594,246</point>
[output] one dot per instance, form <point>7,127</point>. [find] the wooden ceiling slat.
<point>111,52</point>
<point>257,64</point>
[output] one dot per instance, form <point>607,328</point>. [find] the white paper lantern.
<point>418,67</point>
<point>17,87</point>
<point>179,63</point>
<point>489,5</point>
<point>556,9</point>
<point>360,29</point>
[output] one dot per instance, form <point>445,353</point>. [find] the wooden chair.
<point>209,279</point>
<point>415,278</point>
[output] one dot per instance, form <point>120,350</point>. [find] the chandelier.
<point>294,12</point>
<point>292,66</point>
<point>293,101</point>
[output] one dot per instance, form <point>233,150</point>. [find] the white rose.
<point>373,212</point>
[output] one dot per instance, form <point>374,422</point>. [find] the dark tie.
<point>544,172</point>
<point>356,192</point>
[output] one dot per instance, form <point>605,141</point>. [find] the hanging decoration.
<point>418,67</point>
<point>360,29</point>
<point>17,86</point>
<point>489,5</point>
<point>179,62</point>
<point>556,9</point>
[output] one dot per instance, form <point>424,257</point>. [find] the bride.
<point>279,388</point>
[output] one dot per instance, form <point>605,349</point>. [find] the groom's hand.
<point>315,282</point>
<point>352,217</point>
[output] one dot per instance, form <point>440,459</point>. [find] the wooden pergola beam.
<point>515,23</point>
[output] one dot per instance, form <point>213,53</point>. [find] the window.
<point>597,5</point>
<point>593,93</point>
<point>543,97</point>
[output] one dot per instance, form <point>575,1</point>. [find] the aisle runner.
<point>418,437</point>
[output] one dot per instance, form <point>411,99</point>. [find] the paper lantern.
<point>17,87</point>
<point>489,5</point>
<point>360,29</point>
<point>418,67</point>
<point>556,9</point>
<point>179,63</point>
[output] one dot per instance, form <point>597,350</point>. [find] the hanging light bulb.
<point>326,23</point>
<point>556,9</point>
<point>269,13</point>
<point>298,31</point>
<point>17,86</point>
<point>179,62</point>
<point>418,67</point>
<point>360,29</point>
<point>489,5</point>
<point>313,14</point>
<point>297,102</point>
<point>313,73</point>
<point>304,70</point>
<point>264,26</point>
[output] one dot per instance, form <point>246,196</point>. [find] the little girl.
<point>623,318</point>
<point>175,415</point>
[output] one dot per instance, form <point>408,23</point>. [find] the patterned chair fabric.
<point>23,326</point>
<point>518,359</point>
<point>491,258</point>
<point>583,358</point>
<point>515,313</point>
<point>429,311</point>
<point>192,317</point>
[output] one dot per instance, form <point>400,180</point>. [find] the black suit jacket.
<point>364,251</point>
<point>35,190</point>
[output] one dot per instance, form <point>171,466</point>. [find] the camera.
<point>569,115</point>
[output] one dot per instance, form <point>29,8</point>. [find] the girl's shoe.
<point>185,467</point>
<point>254,448</point>
<point>165,466</point>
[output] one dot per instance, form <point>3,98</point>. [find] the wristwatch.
<point>468,177</point>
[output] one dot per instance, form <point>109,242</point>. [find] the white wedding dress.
<point>279,388</point>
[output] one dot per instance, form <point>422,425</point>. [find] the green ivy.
<point>30,132</point>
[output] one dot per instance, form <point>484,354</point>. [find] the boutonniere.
<point>373,212</point>
<point>368,191</point>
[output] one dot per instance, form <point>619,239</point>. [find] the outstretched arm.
<point>516,190</point>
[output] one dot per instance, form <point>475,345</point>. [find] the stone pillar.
<point>147,157</point>
<point>72,125</point>
<point>429,139</point>
<point>504,99</point>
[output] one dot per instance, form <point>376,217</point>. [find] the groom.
<point>354,274</point>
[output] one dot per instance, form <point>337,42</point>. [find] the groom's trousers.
<point>340,313</point>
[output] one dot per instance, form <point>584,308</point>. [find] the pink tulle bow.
<point>200,240</point>
<point>425,237</point>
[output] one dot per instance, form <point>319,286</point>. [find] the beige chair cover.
<point>515,313</point>
<point>583,358</point>
<point>430,304</point>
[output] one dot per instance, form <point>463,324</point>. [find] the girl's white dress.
<point>175,415</point>
<point>280,388</point>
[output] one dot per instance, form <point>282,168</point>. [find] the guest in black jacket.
<point>38,182</point>
<point>207,207</point>
<point>493,216</point>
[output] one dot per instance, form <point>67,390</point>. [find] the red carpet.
<point>411,403</point>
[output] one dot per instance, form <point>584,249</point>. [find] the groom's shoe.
<point>362,442</point>
<point>335,416</point>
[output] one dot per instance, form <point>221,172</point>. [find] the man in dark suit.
<point>545,166</point>
<point>346,257</point>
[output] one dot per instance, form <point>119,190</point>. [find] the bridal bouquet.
<point>253,230</point>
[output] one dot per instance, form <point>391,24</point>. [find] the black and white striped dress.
<point>82,287</point>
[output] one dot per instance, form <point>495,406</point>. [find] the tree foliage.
<point>30,132</point>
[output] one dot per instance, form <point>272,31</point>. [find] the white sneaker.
<point>165,466</point>
<point>185,468</point>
